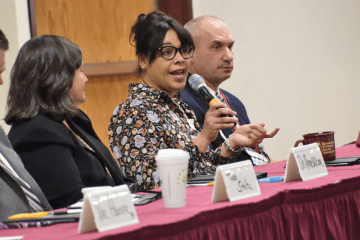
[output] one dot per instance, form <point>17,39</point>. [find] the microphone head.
<point>196,81</point>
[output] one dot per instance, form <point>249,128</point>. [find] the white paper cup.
<point>173,166</point>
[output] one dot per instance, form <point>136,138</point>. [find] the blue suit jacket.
<point>201,106</point>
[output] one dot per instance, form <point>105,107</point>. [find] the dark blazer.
<point>59,162</point>
<point>12,197</point>
<point>201,106</point>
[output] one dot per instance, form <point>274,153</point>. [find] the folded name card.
<point>235,181</point>
<point>306,163</point>
<point>107,208</point>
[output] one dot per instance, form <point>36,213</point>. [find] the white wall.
<point>14,22</point>
<point>297,65</point>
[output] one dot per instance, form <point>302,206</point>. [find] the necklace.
<point>81,140</point>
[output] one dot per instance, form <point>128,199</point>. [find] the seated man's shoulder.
<point>229,95</point>
<point>188,94</point>
<point>237,106</point>
<point>232,98</point>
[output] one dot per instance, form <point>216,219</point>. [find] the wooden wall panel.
<point>101,28</point>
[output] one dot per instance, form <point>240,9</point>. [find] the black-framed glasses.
<point>169,52</point>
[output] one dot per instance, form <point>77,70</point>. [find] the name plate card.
<point>306,163</point>
<point>106,209</point>
<point>235,181</point>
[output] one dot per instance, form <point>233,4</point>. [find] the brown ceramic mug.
<point>325,140</point>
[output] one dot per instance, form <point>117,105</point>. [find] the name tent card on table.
<point>306,163</point>
<point>107,208</point>
<point>235,181</point>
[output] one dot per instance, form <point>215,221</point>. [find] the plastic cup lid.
<point>172,155</point>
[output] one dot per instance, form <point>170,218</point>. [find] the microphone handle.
<point>211,99</point>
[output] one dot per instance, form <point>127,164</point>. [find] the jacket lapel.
<point>81,122</point>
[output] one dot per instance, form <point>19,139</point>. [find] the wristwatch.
<point>229,148</point>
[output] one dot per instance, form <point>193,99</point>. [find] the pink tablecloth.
<point>323,208</point>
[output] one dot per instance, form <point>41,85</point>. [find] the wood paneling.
<point>101,28</point>
<point>96,69</point>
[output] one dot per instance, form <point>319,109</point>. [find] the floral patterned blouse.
<point>149,120</point>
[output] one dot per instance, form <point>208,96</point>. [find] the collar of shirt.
<point>212,91</point>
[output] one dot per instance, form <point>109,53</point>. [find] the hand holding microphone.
<point>249,135</point>
<point>198,84</point>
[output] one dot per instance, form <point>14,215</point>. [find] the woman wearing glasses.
<point>154,117</point>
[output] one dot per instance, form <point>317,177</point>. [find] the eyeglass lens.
<point>169,52</point>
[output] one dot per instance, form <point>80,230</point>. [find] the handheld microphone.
<point>198,84</point>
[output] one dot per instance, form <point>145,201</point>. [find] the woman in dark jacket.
<point>55,139</point>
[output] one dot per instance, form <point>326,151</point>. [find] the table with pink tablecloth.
<point>323,208</point>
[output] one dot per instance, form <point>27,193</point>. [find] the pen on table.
<point>19,225</point>
<point>69,211</point>
<point>42,214</point>
<point>12,225</point>
<point>12,238</point>
<point>199,184</point>
<point>271,179</point>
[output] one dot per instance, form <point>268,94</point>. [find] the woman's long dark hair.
<point>149,31</point>
<point>41,78</point>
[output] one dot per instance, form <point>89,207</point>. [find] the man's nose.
<point>228,55</point>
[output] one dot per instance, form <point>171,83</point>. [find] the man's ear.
<point>143,62</point>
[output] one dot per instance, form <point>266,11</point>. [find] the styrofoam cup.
<point>173,166</point>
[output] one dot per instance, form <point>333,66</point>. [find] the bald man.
<point>213,60</point>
